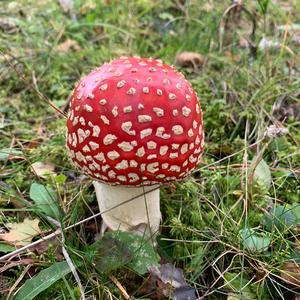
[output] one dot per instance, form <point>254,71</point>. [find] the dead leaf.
<point>21,234</point>
<point>42,169</point>
<point>41,135</point>
<point>32,144</point>
<point>67,45</point>
<point>8,25</point>
<point>189,59</point>
<point>41,131</point>
<point>170,280</point>
<point>232,57</point>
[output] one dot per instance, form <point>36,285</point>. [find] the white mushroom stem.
<point>119,212</point>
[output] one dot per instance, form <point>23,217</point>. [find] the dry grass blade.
<point>119,286</point>
<point>226,247</point>
<point>11,290</point>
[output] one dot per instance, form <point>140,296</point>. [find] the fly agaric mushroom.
<point>134,123</point>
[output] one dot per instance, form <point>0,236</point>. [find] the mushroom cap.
<point>135,121</point>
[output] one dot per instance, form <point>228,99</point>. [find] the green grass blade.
<point>34,286</point>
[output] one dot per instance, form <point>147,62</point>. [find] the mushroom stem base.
<point>141,214</point>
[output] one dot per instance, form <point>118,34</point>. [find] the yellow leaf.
<point>67,46</point>
<point>43,169</point>
<point>189,59</point>
<point>21,234</point>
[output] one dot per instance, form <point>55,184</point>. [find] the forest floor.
<point>231,231</point>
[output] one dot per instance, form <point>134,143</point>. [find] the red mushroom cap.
<point>135,121</point>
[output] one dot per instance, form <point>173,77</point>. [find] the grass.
<point>232,230</point>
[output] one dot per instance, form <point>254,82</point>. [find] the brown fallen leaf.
<point>189,59</point>
<point>32,144</point>
<point>232,57</point>
<point>42,169</point>
<point>21,234</point>
<point>8,25</point>
<point>290,273</point>
<point>67,45</point>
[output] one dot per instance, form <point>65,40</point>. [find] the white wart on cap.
<point>135,121</point>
